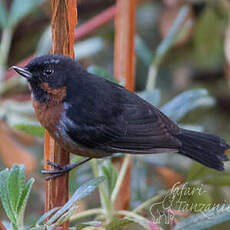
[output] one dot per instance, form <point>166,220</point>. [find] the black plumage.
<point>104,118</point>
<point>113,119</point>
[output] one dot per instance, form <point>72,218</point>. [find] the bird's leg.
<point>62,169</point>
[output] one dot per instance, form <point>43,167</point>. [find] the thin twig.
<point>86,213</point>
<point>120,178</point>
<point>105,201</point>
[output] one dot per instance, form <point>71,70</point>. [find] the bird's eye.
<point>48,71</point>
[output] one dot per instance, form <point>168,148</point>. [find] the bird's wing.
<point>113,119</point>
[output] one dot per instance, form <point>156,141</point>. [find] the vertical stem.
<point>124,50</point>
<point>124,68</point>
<point>64,19</point>
<point>4,49</point>
<point>105,202</point>
<point>120,178</point>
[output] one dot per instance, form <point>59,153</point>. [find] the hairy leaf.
<point>80,193</point>
<point>46,215</point>
<point>186,102</point>
<point>203,220</point>
<point>23,200</point>
<point>16,185</point>
<point>88,224</point>
<point>4,175</point>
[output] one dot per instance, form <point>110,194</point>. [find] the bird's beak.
<point>22,71</point>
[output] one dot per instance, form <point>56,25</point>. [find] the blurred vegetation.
<point>182,67</point>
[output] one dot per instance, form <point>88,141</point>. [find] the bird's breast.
<point>48,114</point>
<point>54,119</point>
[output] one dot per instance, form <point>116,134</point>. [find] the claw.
<point>53,164</point>
<point>52,171</point>
<point>61,170</point>
<point>54,176</point>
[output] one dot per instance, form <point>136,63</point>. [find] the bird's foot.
<point>61,169</point>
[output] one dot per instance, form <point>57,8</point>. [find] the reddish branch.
<point>124,67</point>
<point>64,19</point>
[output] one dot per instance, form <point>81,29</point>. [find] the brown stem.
<point>64,19</point>
<point>124,68</point>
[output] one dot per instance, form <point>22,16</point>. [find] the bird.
<point>92,117</point>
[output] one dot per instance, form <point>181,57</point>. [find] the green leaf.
<point>142,50</point>
<point>207,175</point>
<point>171,36</point>
<point>206,219</point>
<point>21,184</point>
<point>16,185</point>
<point>23,201</point>
<point>186,102</point>
<point>199,201</point>
<point>97,70</point>
<point>3,15</point>
<point>218,180</point>
<point>118,224</point>
<point>88,224</point>
<point>4,175</point>
<point>46,215</point>
<point>35,130</point>
<point>14,226</point>
<point>110,174</point>
<point>20,8</point>
<point>80,193</point>
<point>197,171</point>
<point>152,96</point>
<point>65,216</point>
<point>14,193</point>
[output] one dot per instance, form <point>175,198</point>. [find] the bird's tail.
<point>205,148</point>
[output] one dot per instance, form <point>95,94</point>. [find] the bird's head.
<point>48,75</point>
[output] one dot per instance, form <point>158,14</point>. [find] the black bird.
<point>92,117</point>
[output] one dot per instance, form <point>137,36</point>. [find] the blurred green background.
<point>195,65</point>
